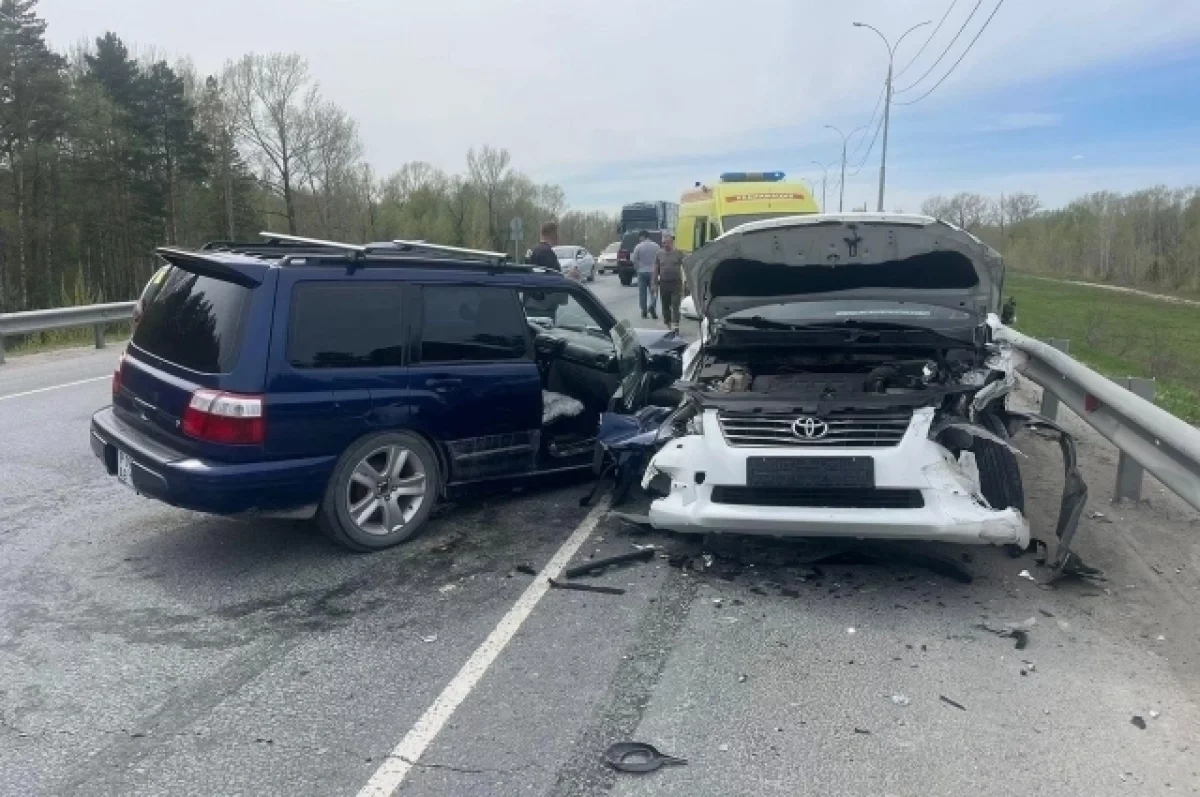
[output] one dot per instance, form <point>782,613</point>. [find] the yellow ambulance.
<point>736,199</point>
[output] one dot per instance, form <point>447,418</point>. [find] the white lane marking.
<point>56,387</point>
<point>396,766</point>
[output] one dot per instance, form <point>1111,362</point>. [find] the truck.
<point>655,218</point>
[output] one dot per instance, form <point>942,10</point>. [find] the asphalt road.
<point>149,651</point>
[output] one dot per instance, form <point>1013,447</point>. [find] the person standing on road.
<point>543,254</point>
<point>668,281</point>
<point>643,257</point>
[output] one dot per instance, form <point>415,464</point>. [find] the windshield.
<point>612,248</point>
<point>737,220</point>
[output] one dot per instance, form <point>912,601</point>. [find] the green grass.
<point>1118,335</point>
<point>116,332</point>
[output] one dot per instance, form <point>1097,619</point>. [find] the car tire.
<point>626,279</point>
<point>999,472</point>
<point>362,517</point>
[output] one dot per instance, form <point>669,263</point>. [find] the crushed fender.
<point>1059,556</point>
<point>624,446</point>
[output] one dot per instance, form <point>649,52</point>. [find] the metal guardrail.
<point>91,315</point>
<point>1145,434</point>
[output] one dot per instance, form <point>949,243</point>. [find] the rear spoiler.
<point>216,265</point>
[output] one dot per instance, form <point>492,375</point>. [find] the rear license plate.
<point>124,469</point>
<point>810,472</point>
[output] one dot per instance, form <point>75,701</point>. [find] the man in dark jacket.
<point>543,254</point>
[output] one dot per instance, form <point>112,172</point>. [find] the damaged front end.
<point>868,415</point>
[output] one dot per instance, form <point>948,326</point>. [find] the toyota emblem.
<point>810,428</point>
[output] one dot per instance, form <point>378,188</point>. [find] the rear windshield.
<point>195,322</point>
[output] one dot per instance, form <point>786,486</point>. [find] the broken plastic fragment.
<point>638,757</point>
<point>430,638</point>
<point>1026,574</point>
<point>901,700</point>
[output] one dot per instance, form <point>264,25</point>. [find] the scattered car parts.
<point>638,757</point>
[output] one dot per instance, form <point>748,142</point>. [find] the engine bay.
<point>819,376</point>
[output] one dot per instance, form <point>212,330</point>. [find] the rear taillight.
<point>217,417</point>
<point>118,377</point>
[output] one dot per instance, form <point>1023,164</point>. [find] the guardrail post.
<point>1049,400</point>
<point>1129,472</point>
<point>98,332</point>
<point>1,350</point>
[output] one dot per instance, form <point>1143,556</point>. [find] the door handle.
<point>441,385</point>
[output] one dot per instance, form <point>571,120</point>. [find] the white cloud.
<point>569,85</point>
<point>1076,157</point>
<point>1022,120</point>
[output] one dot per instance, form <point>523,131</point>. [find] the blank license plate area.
<point>810,472</point>
<point>124,469</point>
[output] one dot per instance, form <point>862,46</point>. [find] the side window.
<point>559,310</point>
<point>346,326</point>
<point>471,324</point>
<point>713,231</point>
<point>698,234</point>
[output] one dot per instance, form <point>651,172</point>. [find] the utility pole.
<point>887,102</point>
<point>824,179</point>
<point>845,138</point>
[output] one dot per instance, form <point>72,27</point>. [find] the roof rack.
<point>452,250</point>
<point>278,237</point>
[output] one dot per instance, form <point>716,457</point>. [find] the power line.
<point>927,41</point>
<point>859,167</point>
<point>933,66</point>
<point>871,121</point>
<point>960,58</point>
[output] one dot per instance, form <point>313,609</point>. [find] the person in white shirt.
<point>643,258</point>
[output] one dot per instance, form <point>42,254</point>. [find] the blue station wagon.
<point>358,384</point>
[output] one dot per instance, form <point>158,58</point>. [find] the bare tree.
<point>330,164</point>
<point>270,95</point>
<point>487,169</point>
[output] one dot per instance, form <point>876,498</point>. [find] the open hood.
<point>880,256</point>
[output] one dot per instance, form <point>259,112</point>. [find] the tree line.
<point>105,155</point>
<point>1147,238</point>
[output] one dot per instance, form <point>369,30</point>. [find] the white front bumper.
<point>953,511</point>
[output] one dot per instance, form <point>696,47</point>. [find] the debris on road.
<point>742,678</point>
<point>1138,722</point>
<point>950,702</point>
<point>642,555</point>
<point>1018,631</point>
<point>638,524</point>
<point>862,731</point>
<point>578,587</point>
<point>526,569</point>
<point>446,589</point>
<point>1154,715</point>
<point>430,638</point>
<point>638,757</point>
<point>851,630</point>
<point>1026,575</point>
<point>901,700</point>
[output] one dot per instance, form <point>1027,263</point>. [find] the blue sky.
<point>622,100</point>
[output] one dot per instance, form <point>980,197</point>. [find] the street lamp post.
<point>824,179</point>
<point>887,102</point>
<point>842,190</point>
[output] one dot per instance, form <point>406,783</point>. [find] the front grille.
<point>839,498</point>
<point>854,428</point>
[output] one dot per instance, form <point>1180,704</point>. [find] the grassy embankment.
<point>1118,335</point>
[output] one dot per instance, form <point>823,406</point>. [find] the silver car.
<point>576,259</point>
